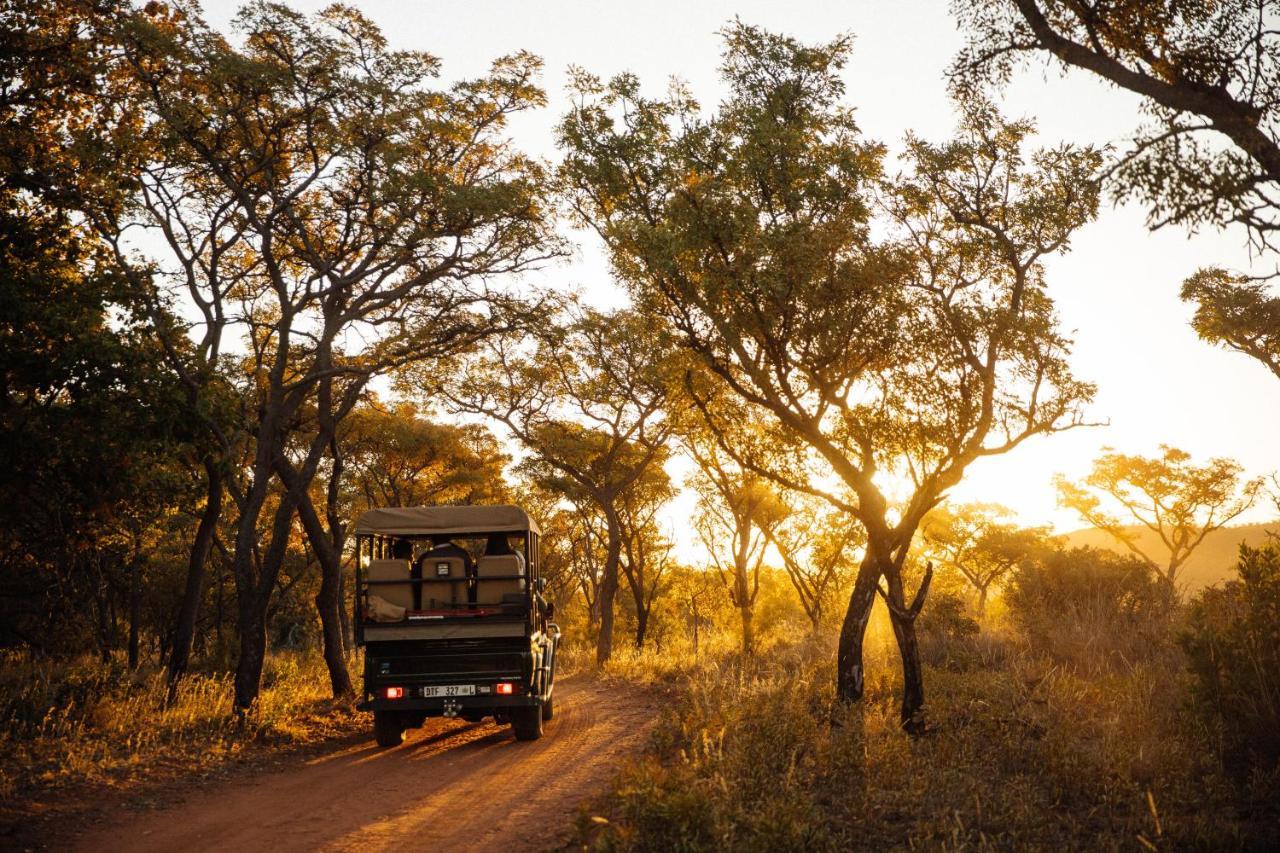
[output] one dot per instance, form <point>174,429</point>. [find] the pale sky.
<point>1117,291</point>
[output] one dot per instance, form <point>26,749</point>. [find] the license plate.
<point>449,690</point>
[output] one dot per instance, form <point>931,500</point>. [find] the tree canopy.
<point>893,325</point>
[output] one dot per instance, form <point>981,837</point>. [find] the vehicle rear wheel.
<point>548,708</point>
<point>388,728</point>
<point>527,722</point>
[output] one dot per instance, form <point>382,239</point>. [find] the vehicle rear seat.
<point>398,595</point>
<point>494,582</point>
<point>440,595</point>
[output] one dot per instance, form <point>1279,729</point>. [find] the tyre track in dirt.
<point>452,786</point>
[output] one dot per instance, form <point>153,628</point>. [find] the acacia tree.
<point>394,457</point>
<point>1209,78</point>
<point>646,553</point>
<point>1179,501</point>
<point>911,354</point>
<point>738,509</point>
<point>586,397</point>
<point>973,540</point>
<point>697,593</point>
<point>819,551</point>
<point>321,201</point>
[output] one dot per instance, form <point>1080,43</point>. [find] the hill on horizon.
<point>1214,561</point>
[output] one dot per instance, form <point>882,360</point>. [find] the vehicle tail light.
<point>395,692</point>
<point>504,689</point>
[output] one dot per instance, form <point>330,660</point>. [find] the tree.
<point>66,144</point>
<point>394,457</point>
<point>819,551</point>
<point>1179,501</point>
<point>559,543</point>
<point>92,439</point>
<point>646,553</point>
<point>738,509</point>
<point>1209,78</point>
<point>318,198</point>
<point>972,539</point>
<point>911,348</point>
<point>696,592</point>
<point>586,397</point>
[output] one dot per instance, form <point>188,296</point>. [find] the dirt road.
<point>452,786</point>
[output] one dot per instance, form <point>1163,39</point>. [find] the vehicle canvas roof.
<point>423,520</point>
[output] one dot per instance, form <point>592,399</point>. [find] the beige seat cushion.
<point>436,596</point>
<point>397,595</point>
<point>498,569</point>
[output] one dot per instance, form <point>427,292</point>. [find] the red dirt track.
<point>452,786</point>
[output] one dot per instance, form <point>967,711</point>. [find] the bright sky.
<point>1117,290</point>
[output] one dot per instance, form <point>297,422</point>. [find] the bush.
<point>1091,608</point>
<point>947,632</point>
<point>1232,640</point>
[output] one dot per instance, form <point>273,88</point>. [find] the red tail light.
<point>504,689</point>
<point>395,692</point>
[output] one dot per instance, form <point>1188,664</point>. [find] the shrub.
<point>1232,640</point>
<point>1091,608</point>
<point>947,632</point>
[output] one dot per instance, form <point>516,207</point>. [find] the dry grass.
<point>1025,753</point>
<point>89,723</point>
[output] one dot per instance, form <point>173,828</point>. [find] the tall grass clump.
<point>63,723</point>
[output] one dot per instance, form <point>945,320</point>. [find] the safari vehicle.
<point>449,630</point>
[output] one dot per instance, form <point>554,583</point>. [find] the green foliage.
<point>1090,608</point>
<point>1206,72</point>
<point>92,438</point>
<point>1236,312</point>
<point>1232,639</point>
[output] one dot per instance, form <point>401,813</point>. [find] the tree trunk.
<point>104,619</point>
<point>184,631</point>
<point>642,625</point>
<point>608,588</point>
<point>904,631</point>
<point>253,649</point>
<point>135,610</point>
<point>329,599</point>
<point>849,669</point>
<point>329,605</point>
<point>344,615</point>
<point>748,628</point>
<point>253,592</point>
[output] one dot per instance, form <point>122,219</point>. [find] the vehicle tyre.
<point>548,708</point>
<point>388,728</point>
<point>527,723</point>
